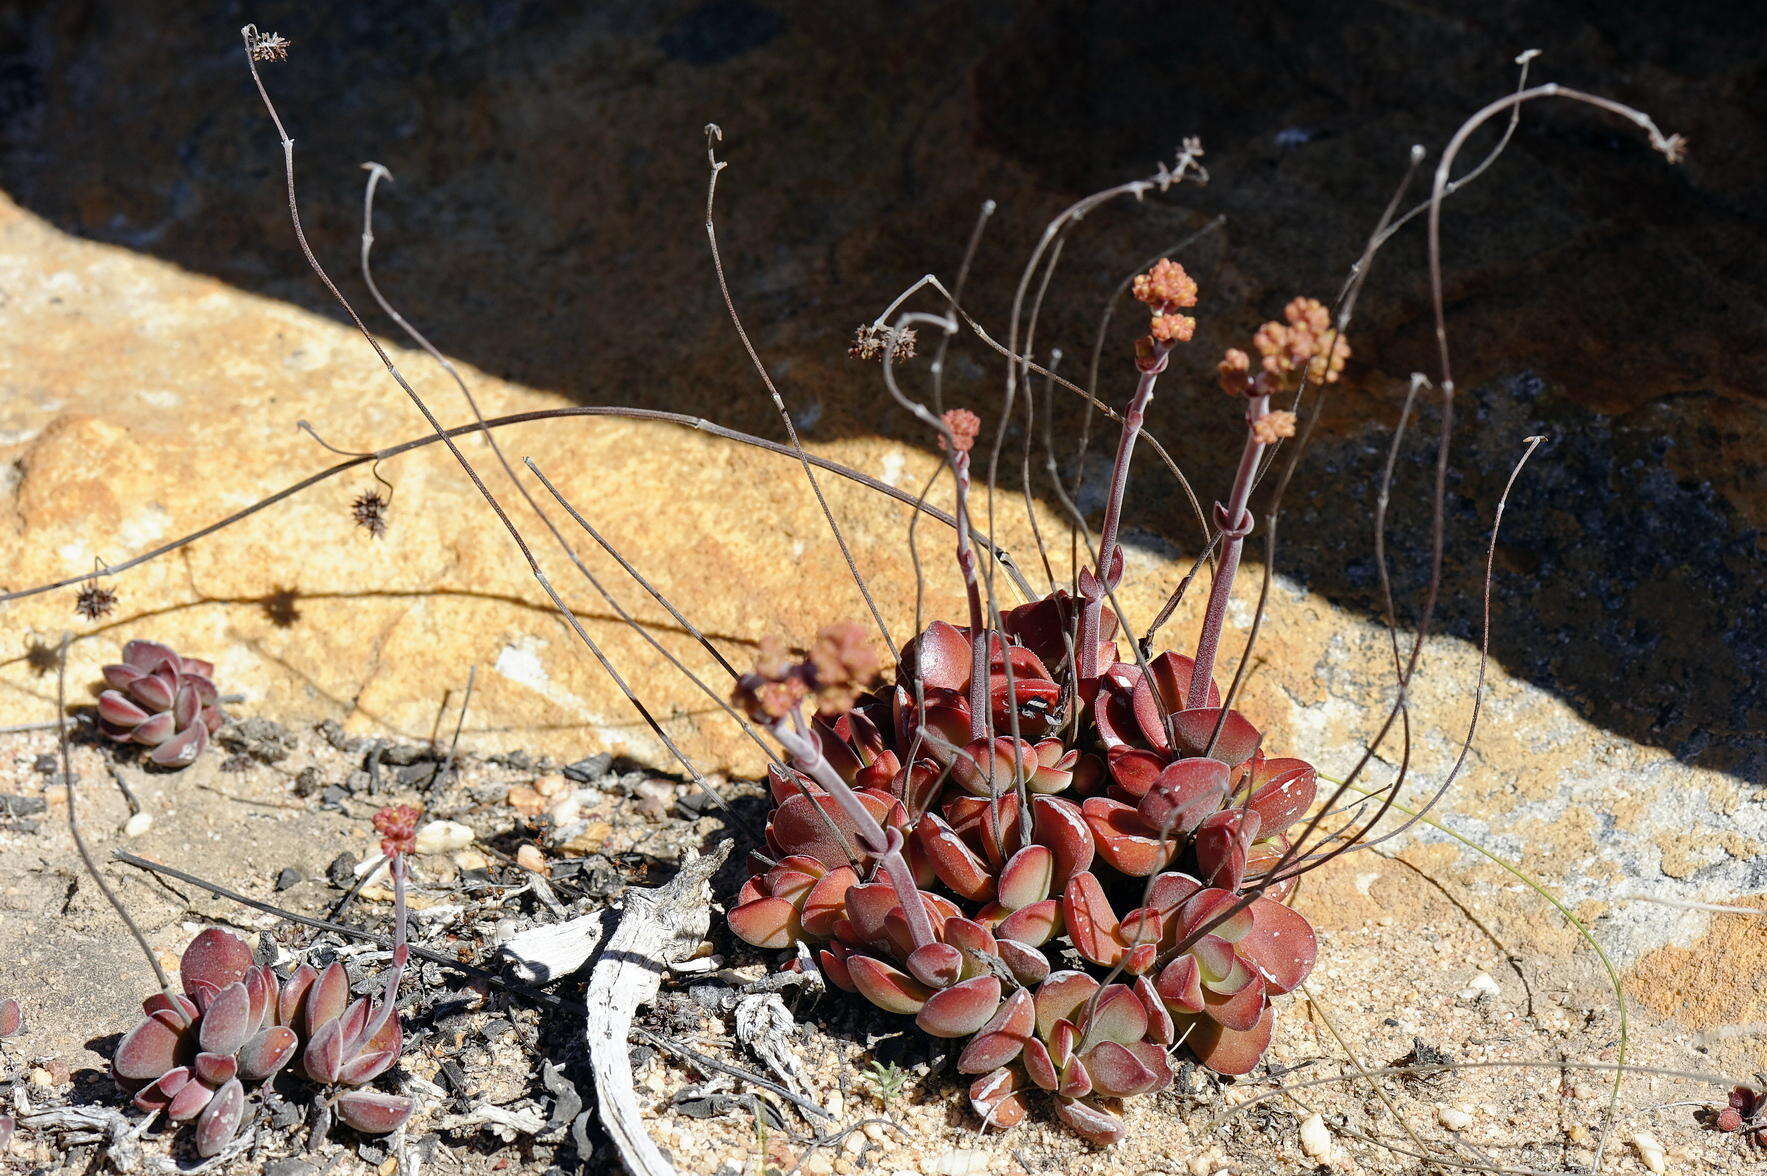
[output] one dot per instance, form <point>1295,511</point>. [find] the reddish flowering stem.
<point>1235,522</point>
<point>1091,615</point>
<point>885,845</point>
<point>978,624</point>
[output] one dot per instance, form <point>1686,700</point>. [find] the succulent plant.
<point>236,1022</point>
<point>1021,785</point>
<point>165,702</point>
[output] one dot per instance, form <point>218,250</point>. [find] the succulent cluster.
<point>162,701</point>
<point>957,845</point>
<point>237,1022</point>
<point>1744,1113</point>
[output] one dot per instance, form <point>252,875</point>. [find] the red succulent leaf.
<point>1027,877</point>
<point>177,750</point>
<point>766,922</point>
<point>1221,844</point>
<point>1205,906</point>
<point>1281,945</point>
<point>1237,1010</point>
<point>267,1052</point>
<point>215,957</point>
<point>962,1009</point>
<point>1063,1038</point>
<point>1039,1066</point>
<point>190,1100</point>
<point>365,1067</point>
<point>1183,794</point>
<point>226,1023</point>
<point>988,825</point>
<point>1113,710</point>
<point>214,1068</point>
<point>1002,1038</point>
<point>294,990</point>
<point>1231,1051</point>
<point>889,988</point>
<point>1261,858</point>
<point>148,656</point>
<point>953,861</point>
<point>934,964</point>
<point>1032,705</point>
<point>1061,826</point>
<point>1180,985</point>
<point>1141,958</point>
<point>1159,1020</point>
<point>184,1009</point>
<point>151,1048</point>
<point>323,1059</point>
<point>374,1113</point>
<point>1117,1015</point>
<point>1093,1124</point>
<point>1170,890</point>
<point>220,1119</point>
<point>939,657</point>
<point>12,1017</point>
<point>158,1094</point>
<point>155,691</point>
<point>1117,1073</point>
<point>1034,925</point>
<point>122,677</point>
<point>833,962</point>
<point>826,902</point>
<point>113,708</point>
<point>1134,769</point>
<point>1284,790</point>
<point>260,991</point>
<point>1235,745</point>
<point>1164,693</point>
<point>1124,840</point>
<point>1076,1080</point>
<point>816,826</point>
<point>1092,925</point>
<point>996,1098</point>
<point>1060,998</point>
<point>994,767</point>
<point>1055,769</point>
<point>1028,965</point>
<point>1222,970</point>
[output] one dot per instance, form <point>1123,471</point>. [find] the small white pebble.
<point>959,1161</point>
<point>1650,1151</point>
<point>836,1102</point>
<point>1452,1119</point>
<point>1315,1138</point>
<point>1479,987</point>
<point>443,837</point>
<point>138,824</point>
<point>855,1143</point>
<point>875,1133</point>
<point>566,812</point>
<point>529,858</point>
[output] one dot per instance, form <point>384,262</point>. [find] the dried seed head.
<point>1173,328</point>
<point>269,46</point>
<point>94,601</point>
<point>1165,286</point>
<point>872,340</point>
<point>370,512</point>
<point>843,665</point>
<point>397,827</point>
<point>965,426</point>
<point>1273,426</point>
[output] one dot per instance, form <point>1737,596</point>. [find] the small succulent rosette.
<point>163,701</point>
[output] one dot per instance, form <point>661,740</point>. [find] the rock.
<point>1315,1137</point>
<point>137,824</point>
<point>1650,1152</point>
<point>1453,1118</point>
<point>1480,987</point>
<point>959,1161</point>
<point>529,858</point>
<point>443,837</point>
<point>288,877</point>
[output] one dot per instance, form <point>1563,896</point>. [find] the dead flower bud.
<point>1273,427</point>
<point>1166,286</point>
<point>965,426</point>
<point>269,46</point>
<point>872,340</point>
<point>397,827</point>
<point>843,665</point>
<point>1234,372</point>
<point>94,601</point>
<point>370,512</point>
<point>1148,356</point>
<point>1173,328</point>
<point>776,688</point>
